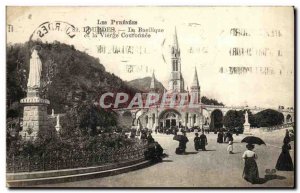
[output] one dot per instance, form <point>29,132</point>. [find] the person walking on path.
<point>284,162</point>
<point>287,138</point>
<point>250,172</point>
<point>203,141</point>
<point>224,136</point>
<point>230,147</point>
<point>197,142</point>
<point>220,137</point>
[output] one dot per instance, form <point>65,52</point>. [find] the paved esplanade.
<point>213,168</point>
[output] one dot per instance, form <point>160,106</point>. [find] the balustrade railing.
<point>57,160</point>
<point>282,126</point>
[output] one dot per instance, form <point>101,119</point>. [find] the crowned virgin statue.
<point>35,70</point>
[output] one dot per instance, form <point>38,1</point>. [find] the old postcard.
<point>152,97</point>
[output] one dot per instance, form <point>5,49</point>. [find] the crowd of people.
<point>250,172</point>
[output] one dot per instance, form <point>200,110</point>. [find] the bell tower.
<point>176,82</point>
<point>195,88</point>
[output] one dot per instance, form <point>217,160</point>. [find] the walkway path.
<point>213,168</point>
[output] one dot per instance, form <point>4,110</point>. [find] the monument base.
<point>35,117</point>
<point>247,130</point>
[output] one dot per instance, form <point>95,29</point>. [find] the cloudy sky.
<point>205,39</point>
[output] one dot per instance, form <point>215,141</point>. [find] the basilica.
<point>180,113</point>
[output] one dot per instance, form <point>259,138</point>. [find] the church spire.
<point>195,88</point>
<point>152,84</point>
<point>195,83</point>
<point>176,82</point>
<point>175,40</point>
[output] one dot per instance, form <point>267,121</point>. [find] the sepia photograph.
<point>150,97</point>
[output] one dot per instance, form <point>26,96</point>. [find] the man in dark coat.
<point>197,142</point>
<point>203,141</point>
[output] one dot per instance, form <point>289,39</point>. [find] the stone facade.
<point>180,115</point>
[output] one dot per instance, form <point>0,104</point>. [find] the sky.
<point>205,37</point>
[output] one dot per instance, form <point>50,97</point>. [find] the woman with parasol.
<point>250,172</point>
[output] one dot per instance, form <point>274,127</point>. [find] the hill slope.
<point>143,84</point>
<point>69,77</point>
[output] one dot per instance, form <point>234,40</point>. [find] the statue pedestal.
<point>35,117</point>
<point>247,129</point>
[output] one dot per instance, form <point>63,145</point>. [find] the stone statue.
<point>57,120</point>
<point>246,117</point>
<point>57,127</point>
<point>35,70</point>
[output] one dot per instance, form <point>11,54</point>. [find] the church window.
<point>174,63</point>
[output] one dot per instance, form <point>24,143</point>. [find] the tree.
<point>252,119</point>
<point>234,119</point>
<point>94,117</point>
<point>269,117</point>
<point>208,101</point>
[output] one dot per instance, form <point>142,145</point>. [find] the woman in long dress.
<point>284,162</point>
<point>287,138</point>
<point>203,141</point>
<point>220,137</point>
<point>182,144</point>
<point>250,169</point>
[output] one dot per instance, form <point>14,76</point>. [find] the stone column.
<point>149,126</point>
<point>193,124</point>
<point>197,120</point>
<point>200,119</point>
<point>190,121</point>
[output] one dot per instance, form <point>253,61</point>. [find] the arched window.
<point>173,63</point>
